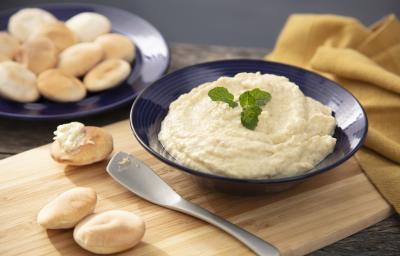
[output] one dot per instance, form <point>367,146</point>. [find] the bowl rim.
<point>240,180</point>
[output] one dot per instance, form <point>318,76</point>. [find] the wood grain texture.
<point>314,214</point>
<point>382,238</point>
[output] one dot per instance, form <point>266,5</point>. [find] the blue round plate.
<point>152,61</point>
<point>151,106</point>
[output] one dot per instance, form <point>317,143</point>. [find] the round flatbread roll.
<point>109,232</point>
<point>91,145</point>
<point>38,54</point>
<point>9,45</point>
<point>78,59</point>
<point>108,74</point>
<point>67,209</point>
<point>117,46</point>
<point>17,82</point>
<point>61,36</point>
<point>89,25</point>
<point>24,22</point>
<point>55,85</point>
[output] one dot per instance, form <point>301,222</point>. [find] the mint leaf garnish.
<point>222,94</point>
<point>261,97</point>
<point>247,100</point>
<point>249,117</point>
<point>250,101</point>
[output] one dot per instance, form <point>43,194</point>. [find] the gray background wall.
<point>252,23</point>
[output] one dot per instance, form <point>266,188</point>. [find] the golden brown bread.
<point>109,232</point>
<point>9,45</point>
<point>78,59</point>
<point>117,46</point>
<point>88,25</point>
<point>67,209</point>
<point>98,146</point>
<point>24,22</point>
<point>17,82</point>
<point>58,33</point>
<point>37,54</point>
<point>55,85</point>
<point>107,74</point>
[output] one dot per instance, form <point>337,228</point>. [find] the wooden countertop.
<point>17,136</point>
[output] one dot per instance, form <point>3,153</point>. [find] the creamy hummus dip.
<point>70,136</point>
<point>294,132</point>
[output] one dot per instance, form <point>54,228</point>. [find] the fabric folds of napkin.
<point>366,61</point>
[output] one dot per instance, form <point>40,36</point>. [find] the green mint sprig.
<point>222,94</point>
<point>249,117</point>
<point>261,97</point>
<point>250,101</point>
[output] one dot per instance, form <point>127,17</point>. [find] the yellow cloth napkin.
<point>366,61</point>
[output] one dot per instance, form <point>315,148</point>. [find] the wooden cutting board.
<point>312,215</point>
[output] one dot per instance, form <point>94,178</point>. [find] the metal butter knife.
<point>137,177</point>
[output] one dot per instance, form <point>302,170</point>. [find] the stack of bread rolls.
<point>61,61</point>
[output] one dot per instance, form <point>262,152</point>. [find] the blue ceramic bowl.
<point>151,62</point>
<point>151,106</point>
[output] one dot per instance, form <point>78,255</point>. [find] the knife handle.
<point>256,244</point>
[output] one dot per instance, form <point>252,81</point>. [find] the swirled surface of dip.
<point>294,132</point>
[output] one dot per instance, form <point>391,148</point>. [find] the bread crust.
<point>24,22</point>
<point>98,146</point>
<point>9,45</point>
<point>55,85</point>
<point>107,74</point>
<point>117,46</point>
<point>61,36</point>
<point>78,59</point>
<point>109,232</point>
<point>38,54</point>
<point>68,208</point>
<point>87,26</point>
<point>17,82</point>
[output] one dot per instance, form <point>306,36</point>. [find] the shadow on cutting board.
<point>63,242</point>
